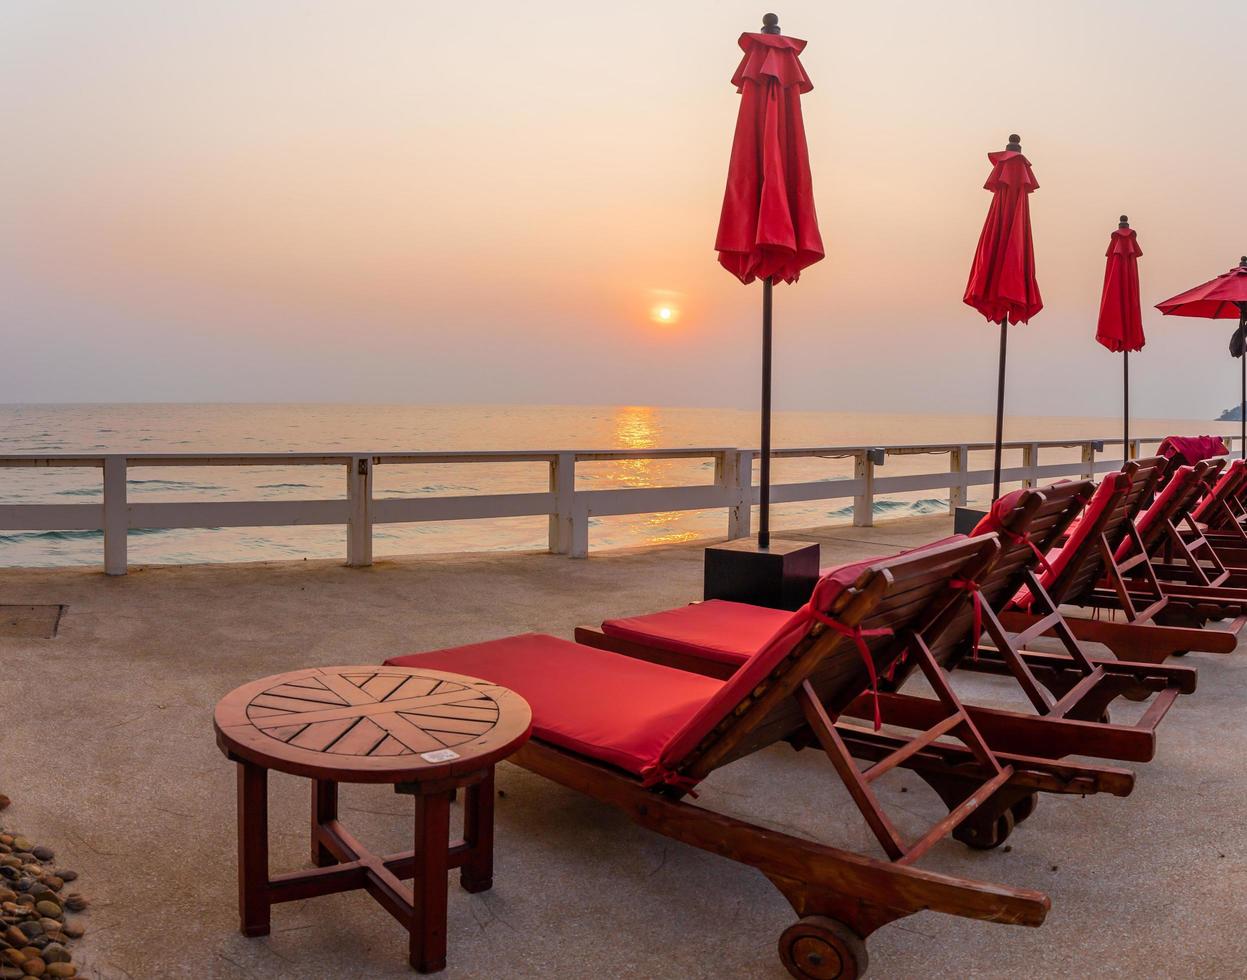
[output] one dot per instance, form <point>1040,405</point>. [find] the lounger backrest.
<point>1030,523</point>
<point>1211,510</point>
<point>1021,519</point>
<point>897,597</point>
<point>1079,565</point>
<point>1180,494</point>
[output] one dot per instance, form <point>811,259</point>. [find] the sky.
<point>309,200</point>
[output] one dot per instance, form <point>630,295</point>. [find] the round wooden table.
<point>427,732</point>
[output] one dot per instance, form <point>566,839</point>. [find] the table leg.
<point>477,872</point>
<point>253,898</point>
<point>428,887</point>
<point>324,809</point>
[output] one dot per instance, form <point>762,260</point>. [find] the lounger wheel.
<point>984,836</point>
<point>822,948</point>
<point>1024,807</point>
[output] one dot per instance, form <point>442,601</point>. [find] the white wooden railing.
<point>569,509</point>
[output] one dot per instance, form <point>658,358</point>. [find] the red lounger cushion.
<point>1059,558</point>
<point>1219,494</point>
<point>1160,509</point>
<point>729,632</point>
<point>599,704</point>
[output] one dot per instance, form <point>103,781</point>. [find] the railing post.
<point>733,474</point>
<point>1088,461</point>
<point>116,516</point>
<point>359,505</point>
<point>1030,463</point>
<point>580,530</point>
<point>958,466</point>
<point>864,502</point>
<point>563,486</point>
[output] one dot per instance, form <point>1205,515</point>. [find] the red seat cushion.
<point>1059,559</point>
<point>1162,508</point>
<point>599,704</point>
<point>1226,486</point>
<point>729,632</point>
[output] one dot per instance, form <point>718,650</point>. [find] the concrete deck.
<point>106,747</point>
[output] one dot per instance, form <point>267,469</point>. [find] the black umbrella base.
<point>966,519</point>
<point>781,576</point>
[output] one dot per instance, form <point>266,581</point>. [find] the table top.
<point>372,724</point>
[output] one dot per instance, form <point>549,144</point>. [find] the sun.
<point>665,313</point>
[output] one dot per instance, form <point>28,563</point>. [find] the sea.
<point>365,429</point>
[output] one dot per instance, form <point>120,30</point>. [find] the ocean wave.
<point>146,486</point>
<point>18,537</point>
<point>435,488</point>
<point>285,486</point>
<point>897,508</point>
<point>80,492</point>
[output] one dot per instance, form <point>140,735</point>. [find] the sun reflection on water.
<point>638,427</point>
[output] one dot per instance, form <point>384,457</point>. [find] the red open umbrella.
<point>768,229</point>
<point>1002,282</point>
<point>1223,298</point>
<point>1120,327</point>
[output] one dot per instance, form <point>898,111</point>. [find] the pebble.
<point>55,953</point>
<point>33,935</point>
<point>4,801</point>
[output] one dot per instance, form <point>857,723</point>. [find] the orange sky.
<point>389,201</point>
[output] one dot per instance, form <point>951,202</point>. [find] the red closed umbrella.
<point>1223,298</point>
<point>1120,326</point>
<point>768,229</point>
<point>1002,282</point>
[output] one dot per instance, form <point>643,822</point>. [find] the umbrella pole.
<point>1000,409</point>
<point>1125,406</point>
<point>764,491</point>
<point>1242,402</point>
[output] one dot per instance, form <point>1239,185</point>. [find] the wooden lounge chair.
<point>641,736</point>
<point>1221,518</point>
<point>1158,563</point>
<point>714,637</point>
<point>1087,573</point>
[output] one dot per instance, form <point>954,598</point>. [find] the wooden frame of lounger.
<point>1032,743</point>
<point>843,897</point>
<point>1094,579</point>
<point>1060,686</point>
<point>1222,525</point>
<point>1148,584</point>
<point>1071,723</point>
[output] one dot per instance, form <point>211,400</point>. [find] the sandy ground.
<point>106,746</point>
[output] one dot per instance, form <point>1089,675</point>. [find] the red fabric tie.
<point>969,585</point>
<point>669,777</point>
<point>858,635</point>
<point>1025,538</point>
